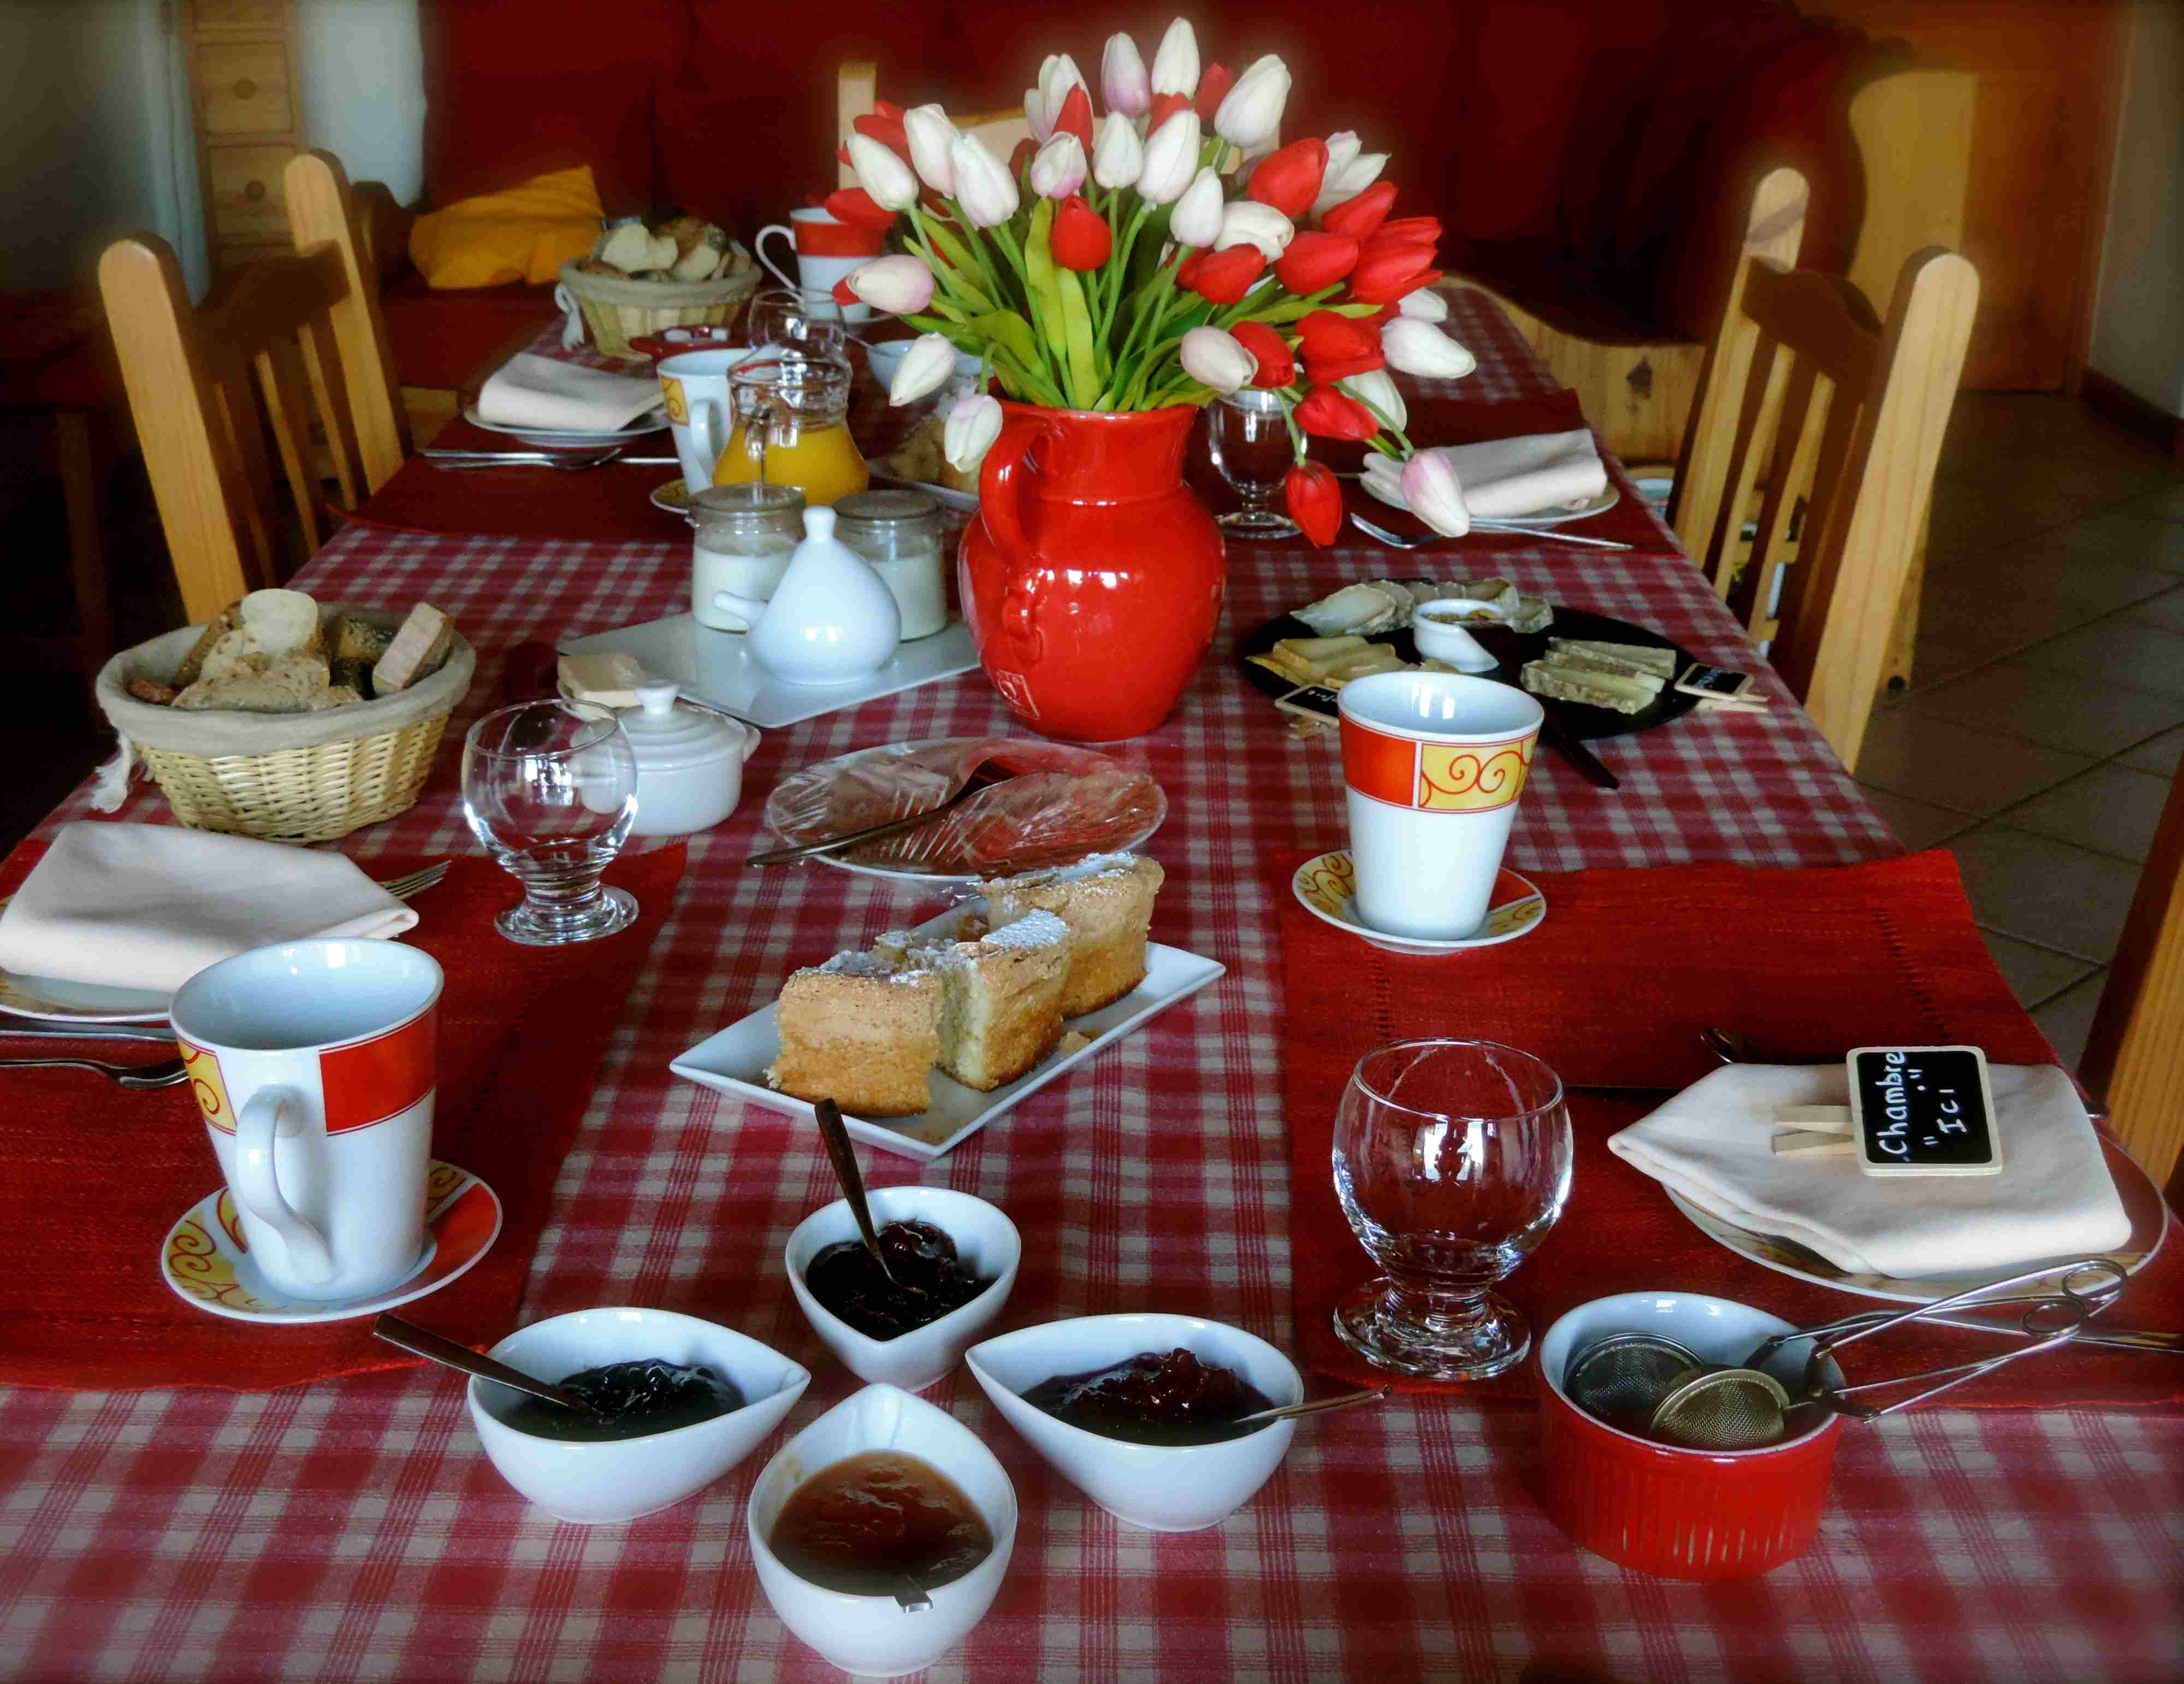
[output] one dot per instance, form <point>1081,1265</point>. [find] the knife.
<point>37,1029</point>
<point>1556,736</point>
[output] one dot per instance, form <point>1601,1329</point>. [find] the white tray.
<point>734,1061</point>
<point>717,667</point>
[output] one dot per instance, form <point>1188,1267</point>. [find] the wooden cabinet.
<point>246,85</point>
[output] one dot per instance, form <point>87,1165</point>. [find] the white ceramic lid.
<point>665,737</point>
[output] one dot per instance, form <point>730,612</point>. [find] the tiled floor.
<point>2045,716</point>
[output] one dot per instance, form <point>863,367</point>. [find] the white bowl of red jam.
<point>1133,1410</point>
<point>682,1401</point>
<point>958,1256</point>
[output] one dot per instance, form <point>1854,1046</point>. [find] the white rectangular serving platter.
<point>717,667</point>
<point>735,1060</point>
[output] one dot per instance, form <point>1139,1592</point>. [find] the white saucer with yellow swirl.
<point>1327,888</point>
<point>206,1261</point>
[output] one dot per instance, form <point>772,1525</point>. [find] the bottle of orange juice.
<point>791,428</point>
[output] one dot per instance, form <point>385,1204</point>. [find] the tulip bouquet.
<point>1169,252</point>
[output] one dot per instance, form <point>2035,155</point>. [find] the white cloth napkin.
<point>1502,478</point>
<point>2054,1197</point>
<point>529,390</point>
<point>149,906</point>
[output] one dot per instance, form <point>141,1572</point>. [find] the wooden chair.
<point>276,323</point>
<point>856,89</point>
<point>2135,1053</point>
<point>1806,388</point>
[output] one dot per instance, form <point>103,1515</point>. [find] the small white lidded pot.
<point>689,763</point>
<point>1439,630</point>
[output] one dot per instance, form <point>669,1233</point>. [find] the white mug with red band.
<point>694,385</point>
<point>826,251</point>
<point>1432,765</point>
<point>313,1062</point>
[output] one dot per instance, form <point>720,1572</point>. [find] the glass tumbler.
<point>1249,439</point>
<point>1452,1161</point>
<point>550,789</point>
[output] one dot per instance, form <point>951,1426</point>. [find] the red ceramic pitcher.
<point>1091,580</point>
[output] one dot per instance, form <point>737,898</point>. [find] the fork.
<point>1397,541</point>
<point>417,882</point>
<point>166,1074</point>
<point>568,461</point>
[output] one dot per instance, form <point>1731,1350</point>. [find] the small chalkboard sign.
<point>1923,1111</point>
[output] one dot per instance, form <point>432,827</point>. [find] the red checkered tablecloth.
<point>354,1529</point>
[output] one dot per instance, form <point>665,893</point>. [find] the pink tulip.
<point>1124,84</point>
<point>901,285</point>
<point>1057,170</point>
<point>1435,494</point>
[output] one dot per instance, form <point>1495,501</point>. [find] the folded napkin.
<point>529,390</point>
<point>149,906</point>
<point>2054,1197</point>
<point>1502,478</point>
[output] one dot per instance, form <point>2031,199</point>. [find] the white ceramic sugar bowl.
<point>689,763</point>
<point>830,621</point>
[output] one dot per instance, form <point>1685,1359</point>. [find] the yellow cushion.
<point>524,234</point>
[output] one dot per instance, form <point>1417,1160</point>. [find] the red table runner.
<point>1612,990</point>
<point>100,1175</point>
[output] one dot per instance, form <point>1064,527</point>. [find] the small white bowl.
<point>1437,629</point>
<point>1162,1487</point>
<point>601,1484</point>
<point>872,1636</point>
<point>987,1242</point>
<point>884,357</point>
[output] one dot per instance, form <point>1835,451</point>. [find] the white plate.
<point>1326,888</point>
<point>734,1061</point>
<point>966,502</point>
<point>2141,1202</point>
<point>717,667</point>
<point>564,439</point>
<point>22,995</point>
<point>1541,521</point>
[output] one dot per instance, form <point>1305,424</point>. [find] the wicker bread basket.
<point>618,309</point>
<point>285,776</point>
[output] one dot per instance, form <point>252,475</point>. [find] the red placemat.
<point>98,1175</point>
<point>1613,990</point>
<point>609,504</point>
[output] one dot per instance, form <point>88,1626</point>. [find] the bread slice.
<point>354,640</point>
<point>860,1031</point>
<point>292,684</point>
<point>268,625</point>
<point>1001,1003</point>
<point>416,651</point>
<point>220,624</point>
<point>1107,903</point>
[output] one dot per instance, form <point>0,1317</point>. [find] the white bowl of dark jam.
<point>681,1401</point>
<point>1133,1410</point>
<point>960,1252</point>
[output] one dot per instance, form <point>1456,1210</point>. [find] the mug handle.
<point>708,433</point>
<point>758,245</point>
<point>572,319</point>
<point>273,1114</point>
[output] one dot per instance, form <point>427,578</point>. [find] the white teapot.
<point>832,620</point>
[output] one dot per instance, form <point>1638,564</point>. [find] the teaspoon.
<point>420,1342</point>
<point>836,1138</point>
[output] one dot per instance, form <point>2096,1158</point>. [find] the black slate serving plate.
<point>1513,649</point>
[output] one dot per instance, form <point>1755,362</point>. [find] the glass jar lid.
<point>746,499</point>
<point>665,737</point>
<point>879,507</point>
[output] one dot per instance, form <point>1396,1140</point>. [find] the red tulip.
<point>1385,274</point>
<point>1315,262</point>
<point>1358,218</point>
<point>1289,179</point>
<point>1329,414</point>
<point>1276,362</point>
<point>1213,85</point>
<point>855,206</point>
<point>1076,117</point>
<point>1026,150</point>
<point>1165,106</point>
<point>887,109</point>
<point>1412,231</point>
<point>1314,497</point>
<point>1221,277</point>
<point>1335,348</point>
<point>889,131</point>
<point>1081,238</point>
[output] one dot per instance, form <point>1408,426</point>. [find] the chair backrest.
<point>856,90</point>
<point>2134,1051</point>
<point>1807,388</point>
<point>270,328</point>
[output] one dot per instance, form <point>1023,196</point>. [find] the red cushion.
<point>447,340</point>
<point>492,132</point>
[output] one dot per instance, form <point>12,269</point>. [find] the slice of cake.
<point>1000,1003</point>
<point>861,1030</point>
<point>1107,902</point>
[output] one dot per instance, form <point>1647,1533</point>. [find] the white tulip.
<point>1057,170</point>
<point>1419,348</point>
<point>1196,218</point>
<point>983,187</point>
<point>1246,222</point>
<point>1117,154</point>
<point>1342,145</point>
<point>1424,304</point>
<point>1175,65</point>
<point>1358,172</point>
<point>973,425</point>
<point>1216,359</point>
<point>1036,114</point>
<point>1123,85</point>
<point>926,367</point>
<point>1376,392</point>
<point>1171,159</point>
<point>1056,77</point>
<point>931,136</point>
<point>882,175</point>
<point>1250,113</point>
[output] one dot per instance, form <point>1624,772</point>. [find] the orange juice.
<point>822,461</point>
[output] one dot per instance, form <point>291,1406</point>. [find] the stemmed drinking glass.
<point>550,789</point>
<point>1452,1161</point>
<point>1250,440</point>
<point>802,319</point>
